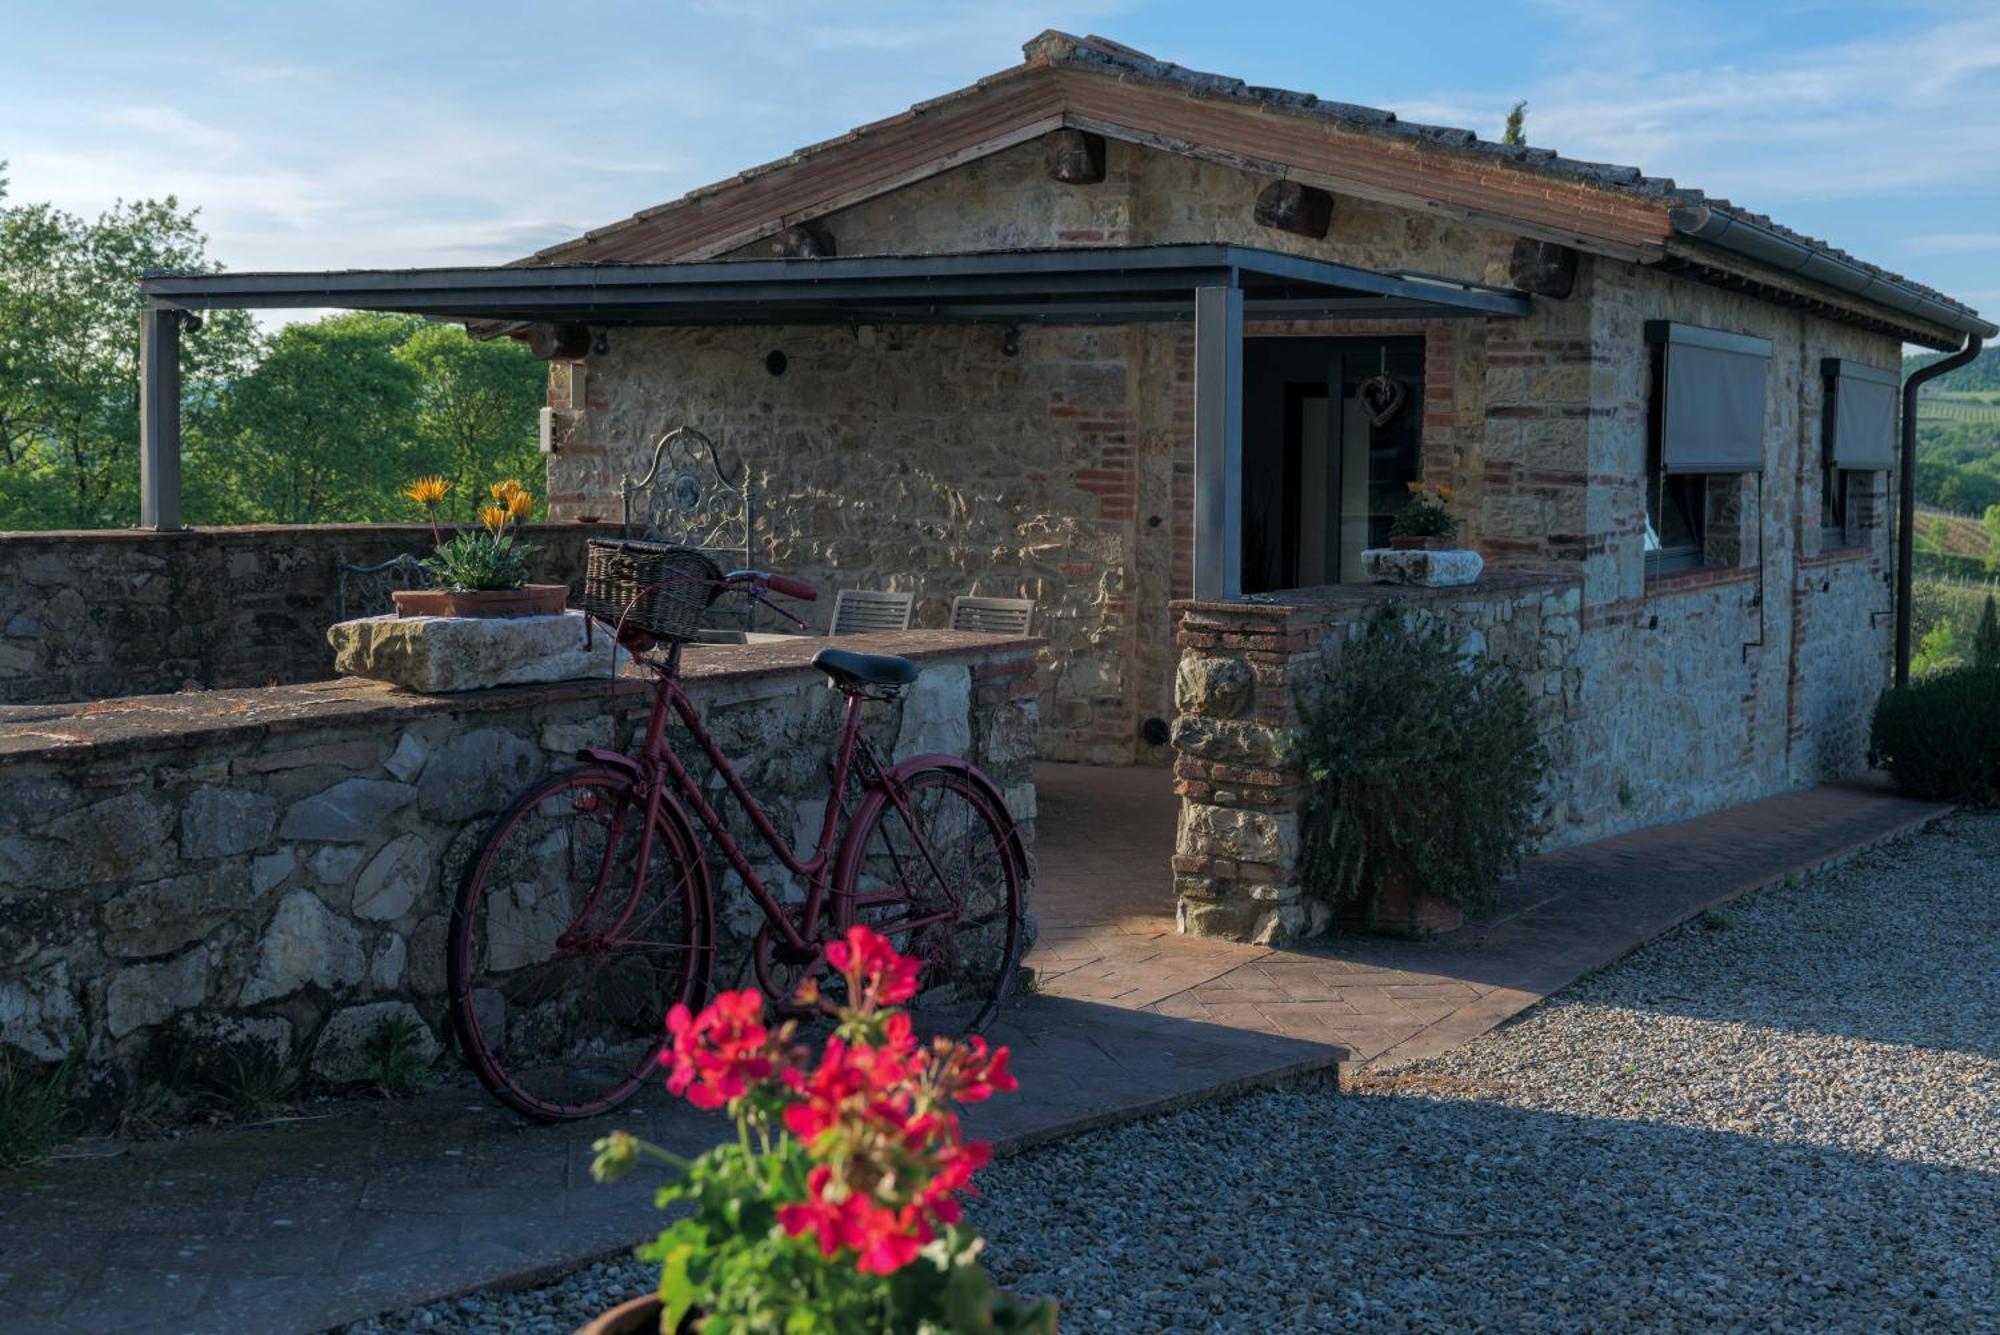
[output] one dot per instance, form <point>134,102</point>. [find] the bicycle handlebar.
<point>792,588</point>
<point>763,580</point>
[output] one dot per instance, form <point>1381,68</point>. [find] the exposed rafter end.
<point>1289,206</point>
<point>1074,157</point>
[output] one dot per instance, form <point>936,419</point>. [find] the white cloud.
<point>1917,109</point>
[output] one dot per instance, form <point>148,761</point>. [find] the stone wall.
<point>924,457</point>
<point>89,615</point>
<point>185,876</point>
<point>1243,671</point>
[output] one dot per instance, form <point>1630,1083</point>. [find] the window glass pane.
<point>1673,511</point>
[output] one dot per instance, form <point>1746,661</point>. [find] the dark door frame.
<point>1279,373</point>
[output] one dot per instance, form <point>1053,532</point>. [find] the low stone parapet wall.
<point>186,877</point>
<point>87,615</point>
<point>1245,668</point>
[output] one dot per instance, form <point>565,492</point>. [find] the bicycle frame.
<point>656,759</point>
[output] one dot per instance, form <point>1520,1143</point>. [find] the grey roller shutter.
<point>1863,404</point>
<point>1713,395</point>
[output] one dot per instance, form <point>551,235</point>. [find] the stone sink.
<point>436,655</point>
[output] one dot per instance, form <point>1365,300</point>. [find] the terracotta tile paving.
<point>307,1223</point>
<point>1107,836</point>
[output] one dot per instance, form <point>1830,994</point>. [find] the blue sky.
<point>374,134</point>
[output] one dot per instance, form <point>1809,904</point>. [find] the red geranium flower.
<point>876,975</point>
<point>717,1055</point>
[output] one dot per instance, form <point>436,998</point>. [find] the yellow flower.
<point>427,490</point>
<point>493,516</point>
<point>521,505</point>
<point>1447,494</point>
<point>1416,488</point>
<point>505,492</point>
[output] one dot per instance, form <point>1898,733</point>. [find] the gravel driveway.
<point>1785,1115</point>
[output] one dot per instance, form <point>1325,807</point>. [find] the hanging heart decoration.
<point>1383,396</point>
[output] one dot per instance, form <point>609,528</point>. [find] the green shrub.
<point>1986,639</point>
<point>1939,737</point>
<point>1423,764</point>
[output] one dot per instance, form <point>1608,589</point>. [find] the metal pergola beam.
<point>1215,286</point>
<point>999,284</point>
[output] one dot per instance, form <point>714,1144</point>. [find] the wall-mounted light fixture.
<point>1010,342</point>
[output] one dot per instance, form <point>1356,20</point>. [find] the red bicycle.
<point>585,911</point>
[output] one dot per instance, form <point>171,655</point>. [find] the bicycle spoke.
<point>560,1016</point>
<point>936,878</point>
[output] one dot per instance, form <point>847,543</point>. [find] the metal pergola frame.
<point>1216,286</point>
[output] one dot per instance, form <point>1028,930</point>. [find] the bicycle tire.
<point>557,1005</point>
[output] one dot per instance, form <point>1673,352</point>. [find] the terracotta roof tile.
<point>1053,49</point>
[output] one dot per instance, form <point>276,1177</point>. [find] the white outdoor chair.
<point>993,616</point>
<point>859,610</point>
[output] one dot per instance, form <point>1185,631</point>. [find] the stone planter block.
<point>441,654</point>
<point>1431,570</point>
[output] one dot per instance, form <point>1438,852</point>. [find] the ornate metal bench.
<point>687,497</point>
<point>364,590</point>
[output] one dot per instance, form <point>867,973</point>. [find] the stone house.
<point>1161,350</point>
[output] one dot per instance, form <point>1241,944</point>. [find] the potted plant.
<point>836,1207</point>
<point>481,572</point>
<point>1423,524</point>
<point>1423,767</point>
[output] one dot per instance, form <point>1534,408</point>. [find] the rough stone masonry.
<point>1057,464</point>
<point>185,880</point>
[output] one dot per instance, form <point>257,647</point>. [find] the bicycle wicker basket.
<point>656,587</point>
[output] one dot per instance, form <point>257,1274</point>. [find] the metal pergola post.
<point>160,419</point>
<point>1218,442</point>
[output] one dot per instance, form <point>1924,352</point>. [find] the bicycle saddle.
<point>864,669</point>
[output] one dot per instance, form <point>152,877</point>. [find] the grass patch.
<point>34,1110</point>
<point>1715,920</point>
<point>397,1063</point>
<point>255,1086</point>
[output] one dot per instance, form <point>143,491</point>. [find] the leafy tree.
<point>1965,490</point>
<point>69,356</point>
<point>1517,125</point>
<point>1937,650</point>
<point>1981,373</point>
<point>325,428</point>
<point>476,404</point>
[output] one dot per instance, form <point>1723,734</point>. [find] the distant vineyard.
<point>1979,409</point>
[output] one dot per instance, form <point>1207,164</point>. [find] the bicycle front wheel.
<point>939,874</point>
<point>563,961</point>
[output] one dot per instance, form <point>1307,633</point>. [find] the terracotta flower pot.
<point>1401,909</point>
<point>1424,544</point>
<point>641,1316</point>
<point>530,600</point>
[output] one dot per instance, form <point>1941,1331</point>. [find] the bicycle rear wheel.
<point>941,878</point>
<point>562,965</point>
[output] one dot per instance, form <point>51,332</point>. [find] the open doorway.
<point>1332,436</point>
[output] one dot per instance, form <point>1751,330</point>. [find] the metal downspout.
<point>1906,509</point>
